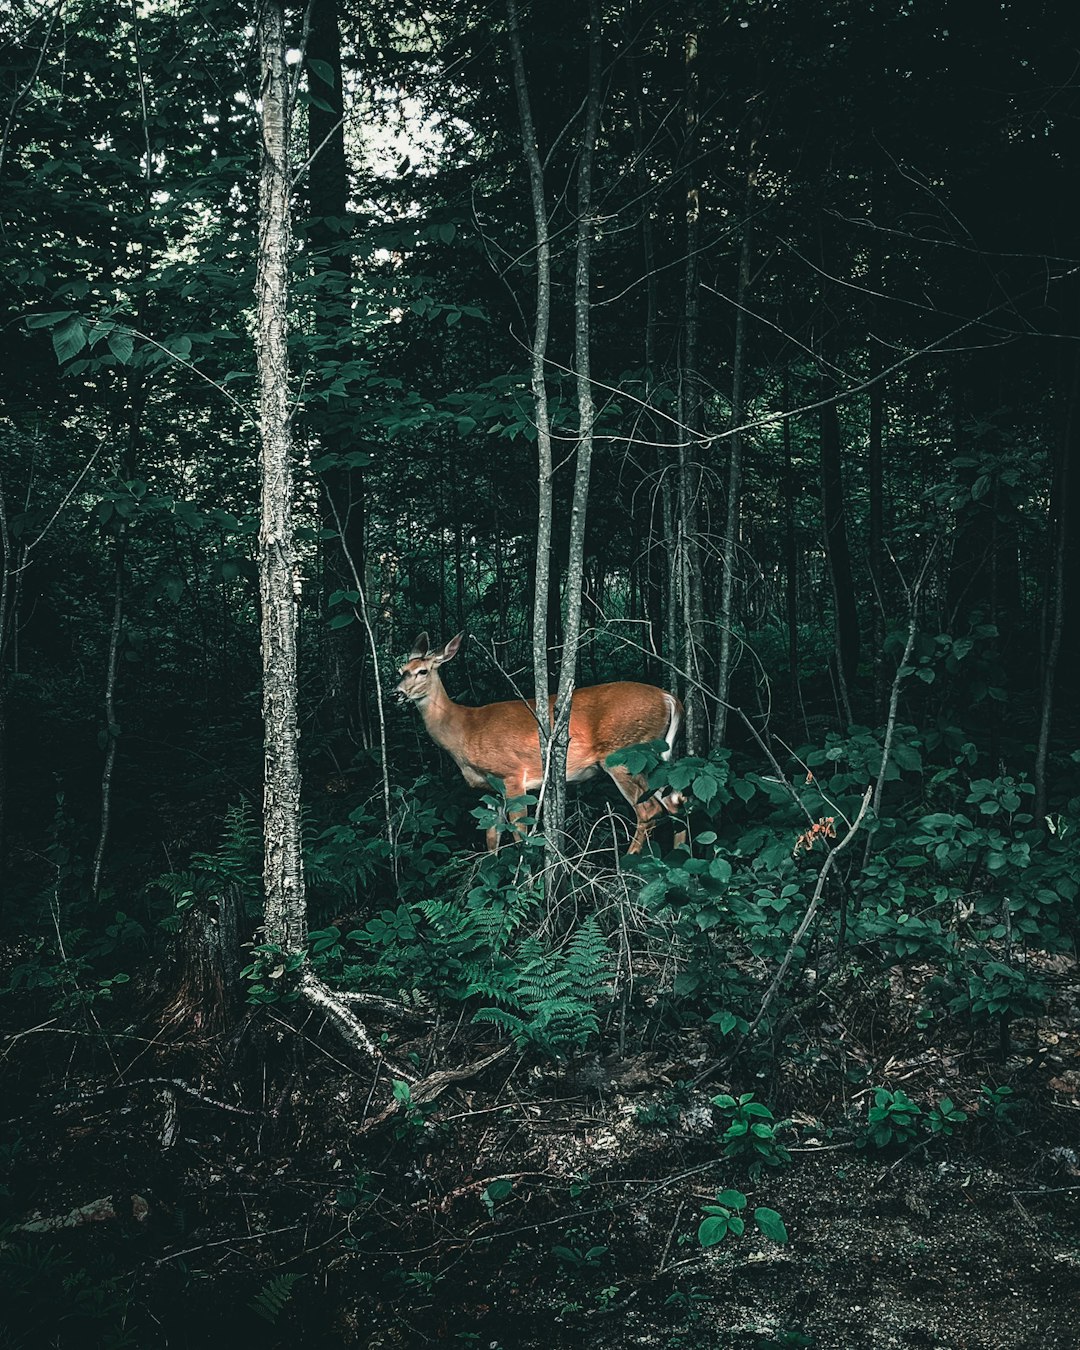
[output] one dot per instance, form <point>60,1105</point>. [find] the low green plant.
<point>495,1192</point>
<point>270,1302</point>
<point>411,1125</point>
<point>549,998</point>
<point>995,990</point>
<point>665,1109</point>
<point>893,1119</point>
<point>998,1106</point>
<point>943,1117</point>
<point>268,972</point>
<point>751,1133</point>
<point>725,1215</point>
<point>588,1258</point>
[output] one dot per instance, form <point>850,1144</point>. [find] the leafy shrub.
<point>893,1119</point>
<point>751,1133</point>
<point>725,1216</point>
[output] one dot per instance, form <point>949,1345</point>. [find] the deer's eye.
<point>422,672</point>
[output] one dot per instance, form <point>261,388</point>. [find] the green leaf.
<point>69,338</point>
<point>49,320</point>
<point>713,1230</point>
<point>342,620</point>
<point>121,344</point>
<point>496,1191</point>
<point>771,1224</point>
<point>705,787</point>
<point>323,69</point>
<point>731,1199</point>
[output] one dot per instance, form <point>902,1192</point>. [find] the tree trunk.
<point>876,490</point>
<point>342,484</point>
<point>689,415</point>
<point>112,728</point>
<point>9,577</point>
<point>545,469</point>
<point>838,554</point>
<point>575,558</point>
<point>735,443</point>
<point>285,912</point>
<point>1062,580</point>
<point>791,564</point>
<point>658,545</point>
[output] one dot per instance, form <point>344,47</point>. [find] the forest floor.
<point>185,1192</point>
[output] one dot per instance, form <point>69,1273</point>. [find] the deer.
<point>501,740</point>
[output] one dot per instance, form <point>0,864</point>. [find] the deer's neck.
<point>442,716</point>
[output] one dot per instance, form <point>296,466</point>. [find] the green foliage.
<point>495,1192</point>
<point>271,1300</point>
<point>666,1109</point>
<point>998,1106</point>
<point>54,1300</point>
<point>725,1216</point>
<point>943,1117</point>
<point>268,974</point>
<point>412,1124</point>
<point>548,999</point>
<point>893,1119</point>
<point>751,1132</point>
<point>995,990</point>
<point>233,868</point>
<point>578,1258</point>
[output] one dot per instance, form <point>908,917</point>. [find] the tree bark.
<point>689,415</point>
<point>545,469</point>
<point>342,498</point>
<point>735,452</point>
<point>575,561</point>
<point>791,564</point>
<point>283,875</point>
<point>1061,579</point>
<point>112,728</point>
<point>838,553</point>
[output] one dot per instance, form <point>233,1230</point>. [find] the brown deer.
<point>502,739</point>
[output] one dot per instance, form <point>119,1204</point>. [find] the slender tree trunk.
<point>658,546</point>
<point>876,489</point>
<point>689,414</point>
<point>735,442</point>
<point>342,497</point>
<point>846,618</point>
<point>575,564</point>
<point>8,609</point>
<point>1060,580</point>
<point>545,468</point>
<point>791,573</point>
<point>876,482</point>
<point>285,912</point>
<point>112,728</point>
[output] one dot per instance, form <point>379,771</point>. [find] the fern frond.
<point>271,1299</point>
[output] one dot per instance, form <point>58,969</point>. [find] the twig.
<point>226,1242</point>
<point>427,1089</point>
<point>366,620</point>
<point>808,917</point>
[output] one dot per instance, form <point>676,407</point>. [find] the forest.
<point>408,409</point>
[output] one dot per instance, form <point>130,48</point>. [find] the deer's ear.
<point>419,647</point>
<point>450,650</point>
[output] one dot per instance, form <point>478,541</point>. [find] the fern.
<point>235,863</point>
<point>271,1299</point>
<point>550,998</point>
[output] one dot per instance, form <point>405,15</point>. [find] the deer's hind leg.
<point>646,806</point>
